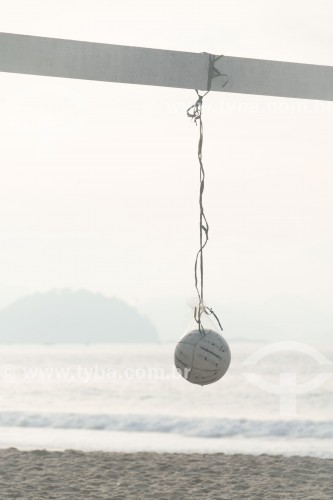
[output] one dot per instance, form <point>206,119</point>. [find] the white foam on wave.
<point>129,442</point>
<point>198,427</point>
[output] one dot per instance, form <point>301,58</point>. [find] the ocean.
<point>276,399</point>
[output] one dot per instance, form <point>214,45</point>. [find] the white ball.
<point>202,359</point>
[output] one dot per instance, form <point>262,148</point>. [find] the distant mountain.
<point>73,316</point>
<point>171,315</point>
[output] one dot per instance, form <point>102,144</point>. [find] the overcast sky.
<point>99,181</point>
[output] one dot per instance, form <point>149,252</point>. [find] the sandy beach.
<point>78,475</point>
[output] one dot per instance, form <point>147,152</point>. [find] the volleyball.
<point>202,358</point>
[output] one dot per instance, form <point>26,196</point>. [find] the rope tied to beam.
<point>195,113</point>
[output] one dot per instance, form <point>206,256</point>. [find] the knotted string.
<point>195,113</point>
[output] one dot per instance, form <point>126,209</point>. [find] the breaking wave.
<point>199,427</point>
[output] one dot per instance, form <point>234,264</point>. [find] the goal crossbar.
<point>55,57</point>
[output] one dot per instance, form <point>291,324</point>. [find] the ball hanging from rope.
<point>202,358</point>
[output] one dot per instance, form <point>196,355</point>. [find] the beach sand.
<point>74,475</point>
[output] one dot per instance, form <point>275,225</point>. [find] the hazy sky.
<point>99,181</point>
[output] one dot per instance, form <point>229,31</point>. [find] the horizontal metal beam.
<point>116,63</point>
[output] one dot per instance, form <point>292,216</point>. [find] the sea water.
<point>275,398</point>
